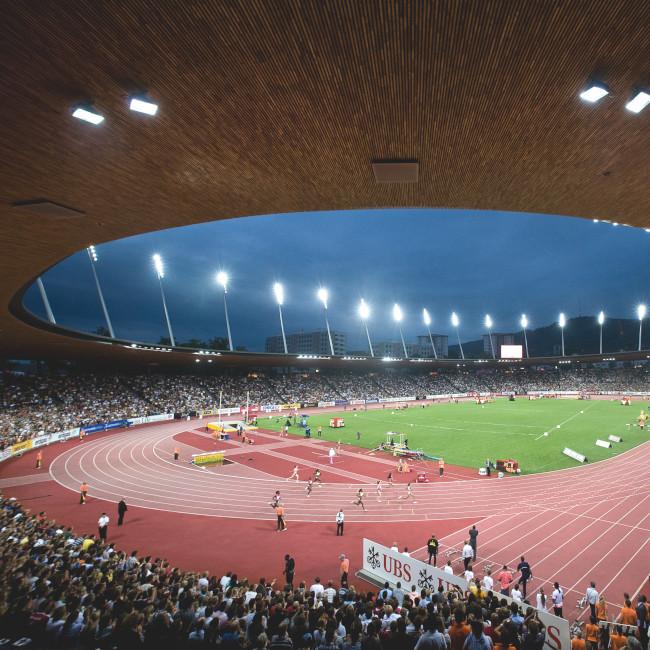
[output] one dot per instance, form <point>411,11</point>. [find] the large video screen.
<point>512,352</point>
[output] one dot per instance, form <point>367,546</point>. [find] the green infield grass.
<point>467,433</point>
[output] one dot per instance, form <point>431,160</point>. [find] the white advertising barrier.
<point>326,404</point>
<point>603,443</point>
<point>381,565</point>
<point>386,400</point>
<point>446,396</point>
<point>356,402</point>
<point>5,454</point>
<point>146,419</point>
<point>574,454</point>
<point>615,438</point>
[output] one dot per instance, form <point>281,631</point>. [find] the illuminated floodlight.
<point>92,252</point>
<point>524,321</point>
<point>594,92</point>
<point>596,220</point>
<point>488,325</point>
<point>158,265</point>
<point>562,320</point>
<point>427,321</point>
<point>92,255</point>
<point>397,313</point>
<point>278,290</point>
<point>601,318</point>
<point>488,321</point>
<point>143,104</point>
<point>601,322</point>
<point>641,311</point>
<point>455,321</point>
<point>364,310</point>
<point>323,295</point>
<point>222,279</point>
<point>87,113</point>
<point>426,317</point>
<point>638,102</point>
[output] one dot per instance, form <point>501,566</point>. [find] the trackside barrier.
<point>574,454</point>
<point>615,438</point>
<point>381,565</point>
<point>603,443</point>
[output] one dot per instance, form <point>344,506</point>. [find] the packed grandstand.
<point>34,405</point>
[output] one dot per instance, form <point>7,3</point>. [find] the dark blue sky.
<point>468,261</point>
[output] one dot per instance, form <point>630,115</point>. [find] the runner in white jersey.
<point>294,474</point>
<point>409,493</point>
<point>379,488</point>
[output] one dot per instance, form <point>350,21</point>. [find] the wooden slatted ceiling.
<point>278,106</point>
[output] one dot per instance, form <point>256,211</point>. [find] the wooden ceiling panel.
<point>282,106</point>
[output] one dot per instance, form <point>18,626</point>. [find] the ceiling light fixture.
<point>640,100</point>
<point>594,92</point>
<point>88,114</point>
<point>142,104</point>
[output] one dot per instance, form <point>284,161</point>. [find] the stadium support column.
<point>46,302</point>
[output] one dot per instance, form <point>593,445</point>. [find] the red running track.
<point>576,525</point>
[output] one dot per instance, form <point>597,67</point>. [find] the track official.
<point>102,524</point>
<point>121,511</point>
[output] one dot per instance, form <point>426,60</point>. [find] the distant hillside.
<point>581,336</point>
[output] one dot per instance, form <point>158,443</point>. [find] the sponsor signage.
<point>410,398</point>
<point>357,401</point>
<point>326,404</point>
<point>20,447</point>
<point>41,440</point>
<point>383,565</point>
<point>341,402</point>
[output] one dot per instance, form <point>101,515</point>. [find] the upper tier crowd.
<point>32,405</point>
<point>60,591</point>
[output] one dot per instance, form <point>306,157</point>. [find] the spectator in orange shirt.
<point>627,615</point>
<point>344,568</point>
<point>39,459</point>
<point>591,632</point>
<point>505,580</point>
<point>279,512</point>
<point>601,608</point>
<point>578,643</point>
<point>617,639</point>
<point>458,630</point>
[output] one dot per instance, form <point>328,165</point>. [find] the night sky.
<point>468,261</point>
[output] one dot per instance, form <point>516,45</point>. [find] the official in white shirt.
<point>592,597</point>
<point>467,554</point>
<point>102,524</point>
<point>448,568</point>
<point>487,583</point>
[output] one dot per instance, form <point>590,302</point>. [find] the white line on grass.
<point>557,426</point>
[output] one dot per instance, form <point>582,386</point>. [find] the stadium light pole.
<point>364,314</point>
<point>455,321</point>
<point>278,290</point>
<point>397,317</point>
<point>160,272</point>
<point>641,312</point>
<point>601,321</point>
<point>46,302</point>
<point>222,279</point>
<point>562,323</point>
<point>489,324</point>
<point>323,295</point>
<point>93,257</point>
<point>427,321</point>
<point>524,324</point>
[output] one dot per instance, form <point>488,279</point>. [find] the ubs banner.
<point>384,565</point>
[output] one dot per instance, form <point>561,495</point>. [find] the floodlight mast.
<point>323,295</point>
<point>455,321</point>
<point>397,317</point>
<point>46,302</point>
<point>278,290</point>
<point>222,279</point>
<point>160,272</point>
<point>488,324</point>
<point>641,312</point>
<point>364,314</point>
<point>92,256</point>
<point>524,325</point>
<point>562,323</point>
<point>601,321</point>
<point>427,321</point>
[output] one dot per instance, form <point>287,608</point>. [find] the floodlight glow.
<point>143,105</point>
<point>426,317</point>
<point>87,114</point>
<point>397,313</point>
<point>562,320</point>
<point>594,92</point>
<point>524,321</point>
<point>158,265</point>
<point>92,251</point>
<point>364,310</point>
<point>638,102</point>
<point>488,321</point>
<point>641,312</point>
<point>601,317</point>
<point>323,295</point>
<point>278,290</point>
<point>222,279</point>
<point>455,321</point>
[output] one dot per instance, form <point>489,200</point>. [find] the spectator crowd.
<point>33,405</point>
